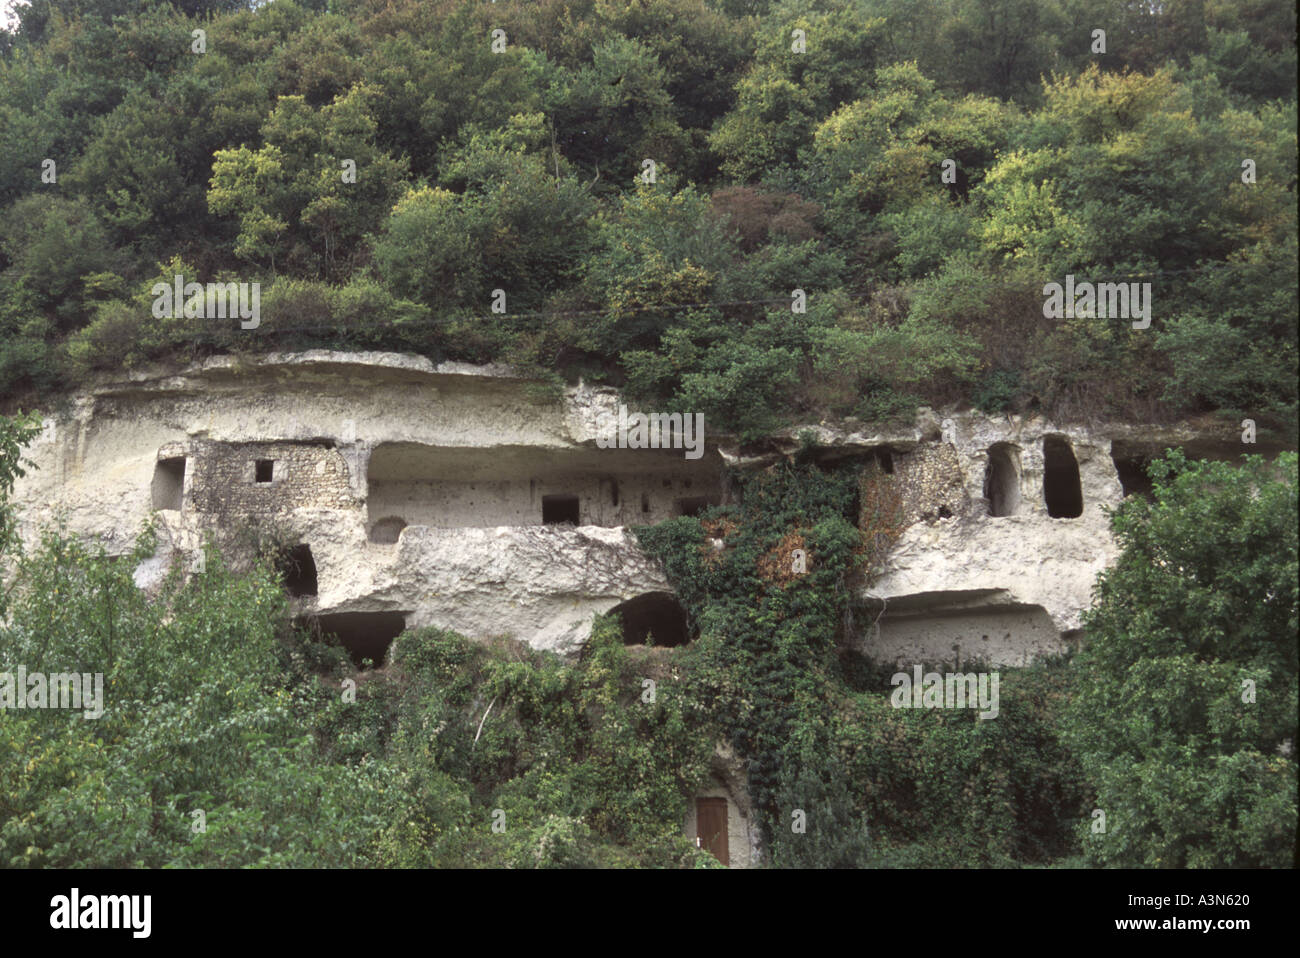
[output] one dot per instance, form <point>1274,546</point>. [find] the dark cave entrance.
<point>297,570</point>
<point>657,614</point>
<point>557,510</point>
<point>693,506</point>
<point>366,635</point>
<point>1131,466</point>
<point>1061,488</point>
<point>1002,480</point>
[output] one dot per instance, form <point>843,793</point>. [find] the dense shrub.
<point>1185,716</point>
<point>620,169</point>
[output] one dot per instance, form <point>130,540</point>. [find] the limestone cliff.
<point>464,497</point>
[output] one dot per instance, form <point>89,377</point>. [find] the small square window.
<point>560,509</point>
<point>263,470</point>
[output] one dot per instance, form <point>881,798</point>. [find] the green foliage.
<point>785,94</point>
<point>877,786</point>
<point>776,170</point>
<point>1185,716</point>
<point>213,704</point>
<point>997,391</point>
<point>293,198</point>
<point>765,634</point>
<point>885,152</point>
<point>524,171</point>
<point>584,772</point>
<point>53,244</point>
<point>197,716</point>
<point>15,433</point>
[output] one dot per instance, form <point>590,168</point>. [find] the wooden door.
<point>711,827</point>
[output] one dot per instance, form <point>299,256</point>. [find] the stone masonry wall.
<point>303,475</point>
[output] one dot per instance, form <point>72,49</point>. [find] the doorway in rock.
<point>656,614</point>
<point>711,828</point>
<point>1002,480</point>
<point>1061,488</point>
<point>297,570</point>
<point>366,635</point>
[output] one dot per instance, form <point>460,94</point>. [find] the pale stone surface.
<point>96,470</point>
<point>945,576</point>
<point>321,415</point>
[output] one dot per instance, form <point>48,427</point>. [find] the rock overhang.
<point>417,422</point>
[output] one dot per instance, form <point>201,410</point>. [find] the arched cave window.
<point>1002,480</point>
<point>387,530</point>
<point>297,569</point>
<point>1061,489</point>
<point>656,614</point>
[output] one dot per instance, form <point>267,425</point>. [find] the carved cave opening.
<point>1002,480</point>
<point>168,483</point>
<point>656,614</point>
<point>297,570</point>
<point>1062,490</point>
<point>365,635</point>
<point>1131,466</point>
<point>693,506</point>
<point>557,510</point>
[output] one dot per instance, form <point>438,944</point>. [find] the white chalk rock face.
<point>1005,579</point>
<point>540,583</point>
<point>402,493</point>
<point>412,494</point>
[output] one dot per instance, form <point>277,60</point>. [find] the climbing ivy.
<point>767,631</point>
<point>837,777</point>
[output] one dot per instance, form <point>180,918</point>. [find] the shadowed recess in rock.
<point>1061,488</point>
<point>366,635</point>
<point>297,569</point>
<point>656,614</point>
<point>1002,480</point>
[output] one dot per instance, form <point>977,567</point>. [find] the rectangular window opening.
<point>169,483</point>
<point>557,510</point>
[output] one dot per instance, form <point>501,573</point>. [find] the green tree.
<point>885,152</point>
<point>55,246</point>
<point>784,94</point>
<point>1185,717</point>
<point>296,197</point>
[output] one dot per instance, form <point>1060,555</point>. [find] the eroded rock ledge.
<point>469,498</point>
